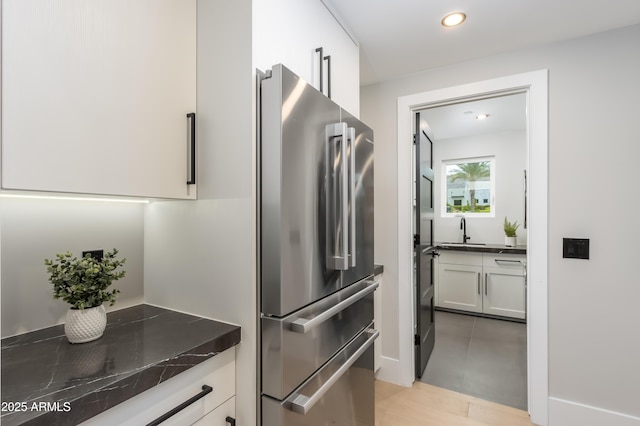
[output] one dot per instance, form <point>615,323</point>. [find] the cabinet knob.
<point>230,420</point>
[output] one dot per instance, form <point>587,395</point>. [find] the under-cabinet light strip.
<point>60,197</point>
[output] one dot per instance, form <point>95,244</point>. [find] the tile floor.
<point>481,357</point>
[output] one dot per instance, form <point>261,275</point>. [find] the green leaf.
<point>83,282</point>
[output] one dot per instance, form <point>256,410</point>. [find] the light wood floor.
<point>427,405</point>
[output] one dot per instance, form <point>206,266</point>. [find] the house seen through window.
<point>469,187</point>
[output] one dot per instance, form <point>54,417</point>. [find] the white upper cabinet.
<point>345,64</point>
<point>290,31</point>
<point>95,96</point>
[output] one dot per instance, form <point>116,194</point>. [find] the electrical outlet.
<point>96,254</point>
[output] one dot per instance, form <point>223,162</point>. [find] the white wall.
<point>510,151</point>
<point>200,255</point>
<point>35,229</point>
<point>593,320</point>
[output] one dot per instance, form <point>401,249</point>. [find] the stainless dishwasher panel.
<point>341,393</point>
<point>295,346</point>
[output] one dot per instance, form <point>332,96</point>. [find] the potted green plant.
<point>510,228</point>
<point>84,284</point>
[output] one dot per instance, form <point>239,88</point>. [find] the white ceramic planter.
<point>510,241</point>
<point>85,325</point>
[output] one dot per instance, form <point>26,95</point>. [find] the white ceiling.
<point>400,37</point>
<point>506,113</point>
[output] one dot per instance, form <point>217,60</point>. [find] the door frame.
<point>535,84</point>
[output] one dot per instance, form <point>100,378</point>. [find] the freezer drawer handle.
<point>205,390</point>
<point>301,404</point>
<point>304,325</point>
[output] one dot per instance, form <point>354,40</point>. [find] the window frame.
<point>492,186</point>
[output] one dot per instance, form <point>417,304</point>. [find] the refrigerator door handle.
<point>301,404</point>
<point>304,325</point>
<point>337,192</point>
<point>351,132</point>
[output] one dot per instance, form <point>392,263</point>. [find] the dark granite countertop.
<point>378,269</point>
<point>142,346</point>
<point>484,248</point>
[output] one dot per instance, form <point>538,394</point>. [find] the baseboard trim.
<point>391,371</point>
<point>568,413</point>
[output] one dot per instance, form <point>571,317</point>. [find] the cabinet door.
<point>345,64</point>
<point>95,96</point>
<point>504,292</point>
<point>459,287</point>
<point>290,31</point>
<point>287,32</point>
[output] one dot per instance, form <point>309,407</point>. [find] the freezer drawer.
<point>295,346</point>
<point>341,393</point>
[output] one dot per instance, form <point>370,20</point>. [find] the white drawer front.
<point>218,372</point>
<point>218,417</point>
<point>512,261</point>
<point>460,258</point>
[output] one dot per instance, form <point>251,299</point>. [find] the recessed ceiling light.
<point>453,19</point>
<point>482,116</point>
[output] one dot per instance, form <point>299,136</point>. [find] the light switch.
<point>575,248</point>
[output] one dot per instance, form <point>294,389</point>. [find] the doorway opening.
<point>478,156</point>
<point>534,84</point>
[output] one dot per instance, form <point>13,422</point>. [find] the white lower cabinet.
<point>218,372</point>
<point>460,287</point>
<point>483,283</point>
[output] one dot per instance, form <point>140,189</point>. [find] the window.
<point>468,187</point>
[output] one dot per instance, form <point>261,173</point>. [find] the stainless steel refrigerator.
<point>316,258</point>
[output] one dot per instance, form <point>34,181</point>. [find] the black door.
<point>423,248</point>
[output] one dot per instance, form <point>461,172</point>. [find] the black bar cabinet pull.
<point>328,59</point>
<point>320,50</point>
<point>230,420</point>
<point>205,390</point>
<point>192,117</point>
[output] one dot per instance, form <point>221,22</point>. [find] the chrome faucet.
<point>463,226</point>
